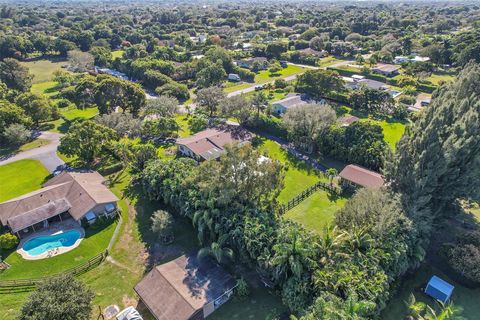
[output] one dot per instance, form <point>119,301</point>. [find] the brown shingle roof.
<point>361,176</point>
<point>177,289</point>
<point>79,191</point>
<point>210,143</point>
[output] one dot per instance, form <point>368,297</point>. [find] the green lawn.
<point>182,120</point>
<point>21,177</point>
<point>316,211</point>
<point>95,241</point>
<point>328,61</point>
<point>71,114</point>
<point>232,86</point>
<point>439,76</point>
<point>298,175</point>
<point>260,304</point>
<point>392,131</point>
<point>47,88</point>
<point>117,54</point>
<point>43,70</point>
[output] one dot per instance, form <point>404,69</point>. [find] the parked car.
<point>283,64</point>
<point>129,313</point>
<point>258,88</point>
<point>234,77</point>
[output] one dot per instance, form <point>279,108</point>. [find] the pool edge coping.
<point>45,255</point>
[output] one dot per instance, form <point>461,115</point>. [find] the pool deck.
<point>53,229</point>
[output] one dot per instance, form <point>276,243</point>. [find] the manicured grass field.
<point>117,54</point>
<point>298,175</point>
<point>316,211</point>
<point>328,61</point>
<point>71,114</point>
<point>21,177</point>
<point>47,88</point>
<point>438,77</point>
<point>231,86</point>
<point>43,70</point>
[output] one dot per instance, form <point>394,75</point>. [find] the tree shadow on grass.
<point>185,240</point>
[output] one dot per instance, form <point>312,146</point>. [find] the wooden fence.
<point>305,194</point>
<point>8,286</point>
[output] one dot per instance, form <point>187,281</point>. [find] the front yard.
<point>21,177</point>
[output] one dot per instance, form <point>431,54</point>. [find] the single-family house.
<point>291,101</point>
<point>185,288</point>
<point>357,176</point>
<point>260,62</point>
<point>77,195</point>
<point>403,59</point>
<point>210,143</point>
<point>312,52</point>
<point>357,81</point>
<point>345,121</point>
<point>386,69</point>
<point>233,77</point>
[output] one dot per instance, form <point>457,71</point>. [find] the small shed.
<point>439,289</point>
<point>233,77</point>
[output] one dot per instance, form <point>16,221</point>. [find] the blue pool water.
<point>39,245</point>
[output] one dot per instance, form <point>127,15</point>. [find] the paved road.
<point>47,154</point>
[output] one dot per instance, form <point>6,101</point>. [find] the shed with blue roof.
<point>439,289</point>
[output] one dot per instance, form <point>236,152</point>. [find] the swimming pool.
<point>39,245</point>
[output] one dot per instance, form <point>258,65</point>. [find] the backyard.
<point>317,211</point>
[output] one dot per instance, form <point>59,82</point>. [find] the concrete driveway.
<point>47,154</point>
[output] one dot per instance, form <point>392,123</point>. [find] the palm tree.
<point>217,250</point>
<point>421,311</point>
<point>331,173</point>
<point>357,241</point>
<point>291,255</point>
<point>329,243</point>
<point>259,100</point>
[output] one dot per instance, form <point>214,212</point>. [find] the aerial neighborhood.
<point>177,160</point>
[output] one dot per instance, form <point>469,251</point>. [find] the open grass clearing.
<point>298,175</point>
<point>71,114</point>
<point>441,76</point>
<point>117,54</point>
<point>317,211</point>
<point>21,177</point>
<point>328,61</point>
<point>43,69</point>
